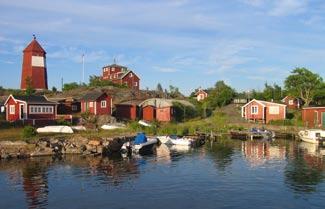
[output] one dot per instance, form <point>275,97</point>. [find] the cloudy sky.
<point>185,43</point>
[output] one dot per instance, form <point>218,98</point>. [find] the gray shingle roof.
<point>34,99</point>
<point>92,96</point>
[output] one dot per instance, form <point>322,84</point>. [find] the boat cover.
<point>140,138</point>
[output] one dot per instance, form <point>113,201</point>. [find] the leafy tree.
<point>320,95</point>
<point>70,86</point>
<point>29,87</point>
<point>159,88</point>
<point>220,95</point>
<point>54,89</point>
<point>97,81</point>
<point>272,92</point>
<point>174,92</point>
<point>304,84</point>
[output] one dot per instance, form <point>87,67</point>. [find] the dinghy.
<point>141,145</point>
<point>55,129</point>
<point>175,140</point>
<point>144,123</point>
<point>112,126</point>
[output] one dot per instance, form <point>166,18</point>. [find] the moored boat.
<point>175,140</point>
<point>141,145</point>
<point>315,136</point>
<point>112,126</point>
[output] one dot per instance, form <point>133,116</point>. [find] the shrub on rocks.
<point>29,131</point>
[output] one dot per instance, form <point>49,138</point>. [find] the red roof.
<point>34,46</point>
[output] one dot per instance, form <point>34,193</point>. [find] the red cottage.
<point>67,105</point>
<point>34,66</point>
<point>161,109</point>
<point>291,102</point>
<point>30,108</point>
<point>121,75</point>
<point>128,110</point>
<point>258,110</point>
<point>201,95</point>
<point>313,117</point>
<point>97,103</point>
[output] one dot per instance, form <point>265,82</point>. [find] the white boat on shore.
<point>315,136</point>
<point>144,123</point>
<point>55,129</point>
<point>112,126</point>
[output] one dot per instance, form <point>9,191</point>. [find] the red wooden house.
<point>128,110</point>
<point>121,75</point>
<point>201,95</point>
<point>97,103</point>
<point>30,108</point>
<point>160,109</point>
<point>258,110</point>
<point>67,105</point>
<point>313,117</point>
<point>292,102</point>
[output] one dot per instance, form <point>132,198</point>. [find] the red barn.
<point>97,103</point>
<point>30,108</point>
<point>128,110</point>
<point>121,75</point>
<point>292,102</point>
<point>258,110</point>
<point>313,117</point>
<point>201,95</point>
<point>34,67</point>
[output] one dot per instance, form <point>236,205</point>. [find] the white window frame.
<point>91,104</point>
<point>131,75</point>
<point>103,104</point>
<point>12,109</point>
<point>274,110</point>
<point>74,107</point>
<point>40,109</point>
<point>254,109</point>
<point>290,102</point>
<point>135,83</point>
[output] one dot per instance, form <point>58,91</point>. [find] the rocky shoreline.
<point>51,146</point>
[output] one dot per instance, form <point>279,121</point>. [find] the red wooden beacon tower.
<point>34,67</point>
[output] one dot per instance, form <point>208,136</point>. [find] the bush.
<point>29,131</point>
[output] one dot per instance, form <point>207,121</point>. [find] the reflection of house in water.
<point>257,152</point>
<point>313,155</point>
<point>35,185</point>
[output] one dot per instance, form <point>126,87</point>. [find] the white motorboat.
<point>79,128</point>
<point>112,126</point>
<point>175,140</point>
<point>55,129</point>
<point>315,136</point>
<point>141,145</point>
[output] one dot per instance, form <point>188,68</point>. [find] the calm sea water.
<point>227,174</point>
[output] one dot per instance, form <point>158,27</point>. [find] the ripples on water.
<point>226,174</point>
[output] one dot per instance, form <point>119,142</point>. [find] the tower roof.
<point>34,46</point>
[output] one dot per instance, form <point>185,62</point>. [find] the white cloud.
<point>288,7</point>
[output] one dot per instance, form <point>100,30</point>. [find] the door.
<point>323,119</point>
<point>21,109</point>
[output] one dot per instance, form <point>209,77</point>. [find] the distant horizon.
<point>184,43</point>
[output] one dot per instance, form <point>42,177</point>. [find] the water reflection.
<point>305,170</point>
<point>258,153</point>
<point>297,166</point>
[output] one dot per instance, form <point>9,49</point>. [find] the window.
<point>135,83</point>
<point>274,110</point>
<point>12,109</point>
<point>131,75</point>
<point>91,104</point>
<point>113,69</point>
<point>103,104</point>
<point>291,102</point>
<point>34,109</point>
<point>254,109</point>
<point>74,107</point>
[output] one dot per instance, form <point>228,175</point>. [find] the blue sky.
<point>185,43</point>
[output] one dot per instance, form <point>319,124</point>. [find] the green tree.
<point>220,95</point>
<point>70,86</point>
<point>54,89</point>
<point>159,88</point>
<point>303,83</point>
<point>29,87</point>
<point>320,95</point>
